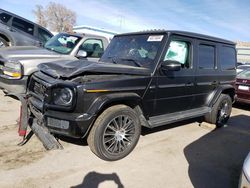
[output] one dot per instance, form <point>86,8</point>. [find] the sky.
<point>228,19</point>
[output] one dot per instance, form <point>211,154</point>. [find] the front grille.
<point>39,88</point>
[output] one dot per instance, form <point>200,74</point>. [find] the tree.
<point>56,16</point>
<point>40,15</point>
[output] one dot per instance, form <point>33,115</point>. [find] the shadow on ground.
<point>76,141</point>
<point>215,160</point>
<point>93,179</point>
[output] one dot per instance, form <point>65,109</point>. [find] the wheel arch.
<point>102,103</point>
<point>7,38</point>
<point>105,101</point>
<point>225,89</point>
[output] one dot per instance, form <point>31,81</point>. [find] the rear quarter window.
<point>227,58</point>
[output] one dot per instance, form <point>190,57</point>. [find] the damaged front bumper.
<point>68,124</point>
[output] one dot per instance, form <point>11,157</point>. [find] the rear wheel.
<point>3,43</point>
<point>221,111</point>
<point>115,133</point>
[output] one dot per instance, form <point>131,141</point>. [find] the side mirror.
<point>170,65</point>
<point>82,54</point>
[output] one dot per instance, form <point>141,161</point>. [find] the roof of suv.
<point>183,33</point>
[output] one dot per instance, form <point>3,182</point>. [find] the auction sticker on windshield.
<point>155,38</point>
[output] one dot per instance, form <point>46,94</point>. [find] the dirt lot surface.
<point>174,156</point>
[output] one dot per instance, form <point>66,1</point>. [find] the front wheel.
<point>115,133</point>
<point>221,111</point>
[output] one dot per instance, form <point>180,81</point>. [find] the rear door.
<point>24,32</point>
<point>207,72</point>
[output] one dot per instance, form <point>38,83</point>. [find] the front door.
<point>175,88</point>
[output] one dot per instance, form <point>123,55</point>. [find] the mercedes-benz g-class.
<point>149,78</point>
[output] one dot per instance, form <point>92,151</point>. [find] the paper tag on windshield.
<point>155,38</point>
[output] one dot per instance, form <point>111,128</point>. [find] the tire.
<point>115,133</point>
<point>3,43</point>
<point>221,111</point>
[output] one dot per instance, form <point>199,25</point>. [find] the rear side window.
<point>227,58</point>
<point>5,17</point>
<point>206,56</point>
<point>43,35</point>
<point>23,25</point>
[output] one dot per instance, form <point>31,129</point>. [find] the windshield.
<point>62,43</point>
<point>134,50</point>
<point>244,74</point>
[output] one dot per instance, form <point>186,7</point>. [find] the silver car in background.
<point>18,63</point>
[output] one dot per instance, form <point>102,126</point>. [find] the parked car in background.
<point>242,86</point>
<point>245,174</point>
<point>240,68</point>
<point>18,31</point>
<point>18,63</point>
<point>239,64</point>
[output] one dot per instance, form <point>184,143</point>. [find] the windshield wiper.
<point>133,60</point>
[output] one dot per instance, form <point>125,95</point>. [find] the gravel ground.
<point>175,156</point>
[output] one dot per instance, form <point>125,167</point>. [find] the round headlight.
<point>62,96</point>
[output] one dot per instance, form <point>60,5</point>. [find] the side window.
<point>227,58</point>
<point>23,25</point>
<point>43,35</point>
<point>5,17</point>
<point>206,56</point>
<point>178,51</point>
<point>93,47</point>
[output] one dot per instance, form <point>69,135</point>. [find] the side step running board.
<point>48,140</point>
<point>178,116</point>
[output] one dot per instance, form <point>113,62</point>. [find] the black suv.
<point>17,31</point>
<point>146,79</point>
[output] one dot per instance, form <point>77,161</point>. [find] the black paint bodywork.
<point>151,92</point>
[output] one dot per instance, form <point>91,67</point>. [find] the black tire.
<point>221,111</point>
<point>115,133</point>
<point>3,43</point>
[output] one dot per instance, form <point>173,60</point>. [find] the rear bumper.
<point>242,100</point>
<point>14,87</point>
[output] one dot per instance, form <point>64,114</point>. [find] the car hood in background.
<point>27,52</point>
<point>67,69</point>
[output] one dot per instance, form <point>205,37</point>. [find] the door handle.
<point>215,83</point>
<point>189,84</point>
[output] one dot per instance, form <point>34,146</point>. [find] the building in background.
<point>94,31</point>
<point>243,52</point>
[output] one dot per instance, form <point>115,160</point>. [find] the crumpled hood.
<point>27,52</point>
<point>67,69</point>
